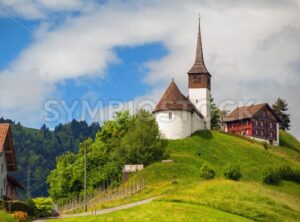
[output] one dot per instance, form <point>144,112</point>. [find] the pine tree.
<point>280,107</point>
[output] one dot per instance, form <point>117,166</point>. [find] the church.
<point>179,116</point>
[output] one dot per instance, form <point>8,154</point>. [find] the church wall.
<point>179,126</point>
<point>201,99</point>
<point>197,123</point>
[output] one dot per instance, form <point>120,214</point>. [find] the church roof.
<point>173,99</point>
<point>246,112</point>
<point>199,66</point>
<point>7,150</point>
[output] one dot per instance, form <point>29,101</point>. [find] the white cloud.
<point>251,47</point>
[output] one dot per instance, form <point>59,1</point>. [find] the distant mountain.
<point>37,149</point>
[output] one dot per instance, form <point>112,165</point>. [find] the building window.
<point>247,132</point>
<point>255,122</point>
<point>271,134</point>
<point>262,123</point>
<point>195,79</point>
<point>256,132</point>
<point>271,125</point>
<point>262,133</point>
<point>170,115</point>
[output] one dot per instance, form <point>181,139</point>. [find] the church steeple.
<point>199,83</point>
<point>199,66</point>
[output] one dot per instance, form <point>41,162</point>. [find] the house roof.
<point>246,112</point>
<point>6,146</point>
<point>14,182</point>
<point>173,99</point>
<point>199,66</point>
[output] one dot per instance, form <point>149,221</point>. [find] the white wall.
<point>197,123</point>
<point>200,97</point>
<point>3,175</point>
<point>180,126</point>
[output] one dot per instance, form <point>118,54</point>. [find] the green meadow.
<point>184,196</point>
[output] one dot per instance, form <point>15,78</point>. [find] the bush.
<point>271,176</point>
<point>287,173</point>
<point>207,172</point>
<point>15,205</point>
<point>5,217</point>
<point>21,216</point>
<point>232,172</point>
<point>43,206</point>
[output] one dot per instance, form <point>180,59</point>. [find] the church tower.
<point>199,83</point>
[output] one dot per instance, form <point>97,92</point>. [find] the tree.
<point>143,143</point>
<point>280,107</point>
<point>217,115</point>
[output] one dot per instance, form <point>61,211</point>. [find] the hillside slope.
<point>191,198</point>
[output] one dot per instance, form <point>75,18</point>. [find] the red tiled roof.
<point>173,99</point>
<point>246,112</point>
<point>6,138</point>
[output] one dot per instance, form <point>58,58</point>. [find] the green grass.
<point>195,199</point>
<point>5,217</point>
<point>289,141</point>
<point>164,211</point>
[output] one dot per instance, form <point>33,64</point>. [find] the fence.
<point>103,194</point>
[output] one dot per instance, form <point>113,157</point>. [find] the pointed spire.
<point>199,66</point>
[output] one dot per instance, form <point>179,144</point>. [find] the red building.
<point>256,121</point>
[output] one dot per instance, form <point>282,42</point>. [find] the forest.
<point>37,150</point>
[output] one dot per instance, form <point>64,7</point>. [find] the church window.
<point>199,79</point>
<point>170,115</point>
<point>195,79</point>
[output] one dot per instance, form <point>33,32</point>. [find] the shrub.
<point>12,206</point>
<point>271,176</point>
<point>43,206</point>
<point>5,217</point>
<point>232,172</point>
<point>285,172</point>
<point>20,215</point>
<point>207,172</point>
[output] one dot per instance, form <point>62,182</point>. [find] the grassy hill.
<point>194,199</point>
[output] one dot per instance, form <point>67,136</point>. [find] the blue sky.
<point>129,51</point>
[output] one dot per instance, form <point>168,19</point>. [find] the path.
<point>104,211</point>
